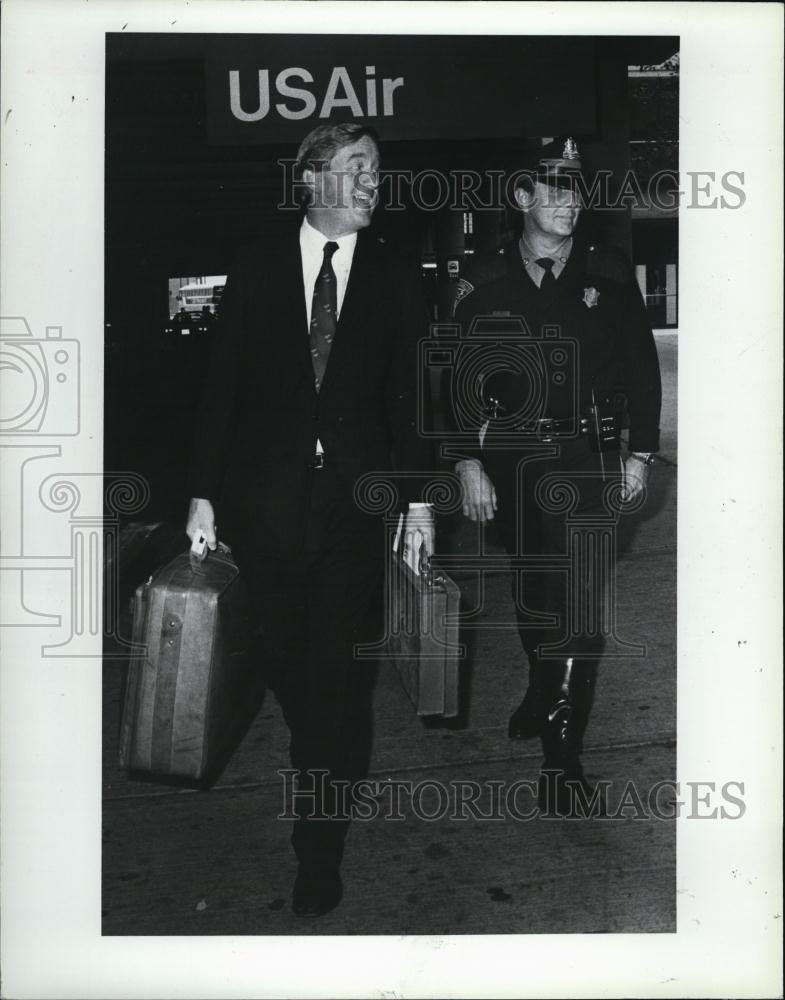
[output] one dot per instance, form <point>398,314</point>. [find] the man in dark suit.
<point>544,461</point>
<point>313,384</point>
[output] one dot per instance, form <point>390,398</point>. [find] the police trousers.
<point>558,508</point>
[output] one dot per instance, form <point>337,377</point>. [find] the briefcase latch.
<point>429,577</point>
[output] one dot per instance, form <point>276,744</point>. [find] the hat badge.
<point>570,150</point>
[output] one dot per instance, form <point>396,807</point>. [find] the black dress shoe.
<point>527,719</point>
<point>316,891</point>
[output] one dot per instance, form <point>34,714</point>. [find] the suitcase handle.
<point>199,552</point>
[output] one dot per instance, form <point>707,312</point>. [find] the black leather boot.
<point>527,720</point>
<point>563,789</point>
<point>583,681</point>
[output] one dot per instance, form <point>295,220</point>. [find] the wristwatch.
<point>643,456</point>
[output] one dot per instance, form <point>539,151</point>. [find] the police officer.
<point>545,452</point>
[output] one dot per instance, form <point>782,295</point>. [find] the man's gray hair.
<point>321,145</point>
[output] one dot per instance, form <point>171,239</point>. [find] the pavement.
<point>178,861</point>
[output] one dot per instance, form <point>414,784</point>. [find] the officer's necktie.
<point>548,282</point>
<point>324,309</point>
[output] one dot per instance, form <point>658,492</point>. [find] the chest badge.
<point>591,297</point>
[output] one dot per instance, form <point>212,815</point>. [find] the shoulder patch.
<point>462,289</point>
<point>486,269</point>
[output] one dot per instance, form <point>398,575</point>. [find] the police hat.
<point>557,163</point>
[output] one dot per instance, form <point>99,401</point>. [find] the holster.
<point>603,424</point>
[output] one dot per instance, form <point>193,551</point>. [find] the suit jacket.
<point>261,415</point>
<point>596,304</point>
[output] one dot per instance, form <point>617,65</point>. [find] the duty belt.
<point>546,428</point>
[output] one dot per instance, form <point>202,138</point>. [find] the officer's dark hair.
<point>513,214</point>
<point>320,146</point>
<point>525,179</point>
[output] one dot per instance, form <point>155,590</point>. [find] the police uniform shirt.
<point>595,302</point>
<point>535,270</point>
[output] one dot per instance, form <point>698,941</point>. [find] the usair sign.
<point>272,88</point>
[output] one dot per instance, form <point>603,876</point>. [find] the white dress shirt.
<point>312,251</point>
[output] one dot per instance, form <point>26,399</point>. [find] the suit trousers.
<point>558,513</point>
<point>312,608</point>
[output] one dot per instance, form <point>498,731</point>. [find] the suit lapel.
<point>359,285</point>
<point>285,296</point>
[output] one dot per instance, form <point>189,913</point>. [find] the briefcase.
<point>188,690</point>
<point>422,637</point>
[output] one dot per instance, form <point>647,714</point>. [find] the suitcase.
<point>191,688</point>
<point>422,637</point>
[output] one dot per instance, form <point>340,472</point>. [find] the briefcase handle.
<point>429,577</point>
